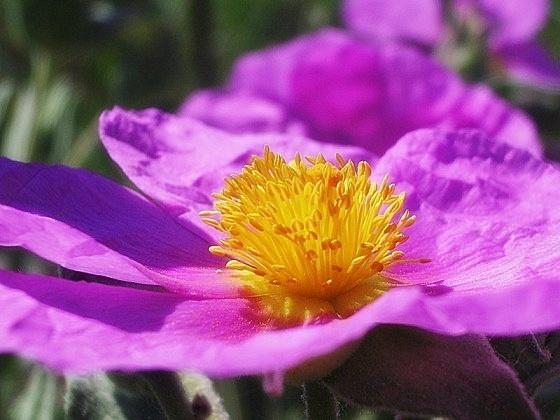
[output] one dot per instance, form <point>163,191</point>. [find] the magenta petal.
<point>417,21</point>
<point>180,161</point>
<point>412,371</point>
<point>379,93</point>
<point>485,309</point>
<point>530,64</point>
<point>507,21</point>
<point>86,327</point>
<point>488,218</point>
<point>239,112</point>
<point>480,108</point>
<point>87,223</point>
<point>485,210</point>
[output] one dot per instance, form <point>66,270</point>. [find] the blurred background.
<point>63,61</point>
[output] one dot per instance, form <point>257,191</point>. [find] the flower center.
<point>308,237</point>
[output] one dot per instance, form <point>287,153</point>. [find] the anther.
<point>336,268</point>
<point>377,267</point>
<point>256,224</point>
<point>335,244</point>
<point>311,255</point>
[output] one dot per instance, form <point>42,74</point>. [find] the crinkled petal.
<point>413,371</point>
<point>530,64</point>
<point>416,21</point>
<point>487,217</point>
<point>87,223</point>
<point>179,161</point>
<point>350,91</point>
<point>506,21</point>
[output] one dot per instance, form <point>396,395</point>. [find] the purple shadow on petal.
<point>437,289</point>
<point>483,208</point>
<point>98,302</point>
<point>94,215</point>
<point>108,213</point>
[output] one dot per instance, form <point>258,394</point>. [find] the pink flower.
<point>482,228</point>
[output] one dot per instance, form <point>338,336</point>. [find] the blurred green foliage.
<point>63,61</point>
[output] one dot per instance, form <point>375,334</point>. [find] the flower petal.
<point>87,223</point>
<point>179,161</point>
<point>412,371</point>
<point>378,95</point>
<point>486,212</point>
<point>416,21</point>
<point>530,64</point>
<point>488,218</point>
<point>87,327</point>
<point>507,21</point>
<point>480,108</point>
<point>239,112</point>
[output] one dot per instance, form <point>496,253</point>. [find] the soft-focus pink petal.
<point>179,161</point>
<point>507,21</point>
<point>87,223</point>
<point>350,91</point>
<point>530,64</point>
<point>417,21</point>
<point>488,215</point>
<point>480,108</point>
<point>238,112</point>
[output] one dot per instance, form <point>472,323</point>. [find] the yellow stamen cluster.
<point>309,228</point>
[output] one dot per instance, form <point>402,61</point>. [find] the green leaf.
<point>28,392</point>
<point>20,132</point>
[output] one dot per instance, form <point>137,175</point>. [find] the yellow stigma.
<point>309,238</point>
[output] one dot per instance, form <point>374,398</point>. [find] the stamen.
<point>309,229</point>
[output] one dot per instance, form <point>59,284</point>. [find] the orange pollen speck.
<point>309,229</point>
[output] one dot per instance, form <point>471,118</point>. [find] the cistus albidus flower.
<point>335,87</point>
<point>298,258</point>
<point>507,29</point>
